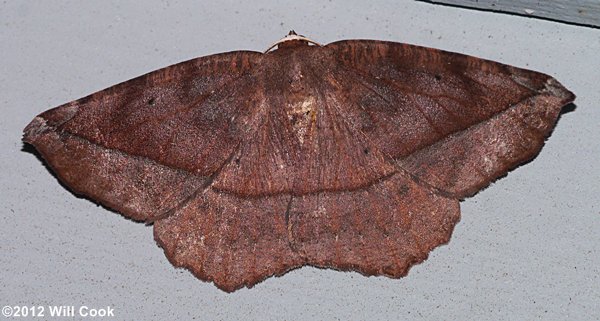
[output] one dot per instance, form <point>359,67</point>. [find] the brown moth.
<point>352,155</point>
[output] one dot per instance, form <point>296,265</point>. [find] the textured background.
<point>527,247</point>
<point>583,12</point>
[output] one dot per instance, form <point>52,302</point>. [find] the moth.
<point>351,155</point>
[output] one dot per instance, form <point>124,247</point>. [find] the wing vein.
<point>178,111</point>
<point>453,133</point>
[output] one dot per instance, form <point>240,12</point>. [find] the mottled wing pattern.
<point>305,188</point>
<point>230,240</point>
<point>146,145</point>
<point>454,121</point>
<point>301,144</point>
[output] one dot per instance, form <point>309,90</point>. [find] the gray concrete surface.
<point>582,12</point>
<point>528,247</point>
